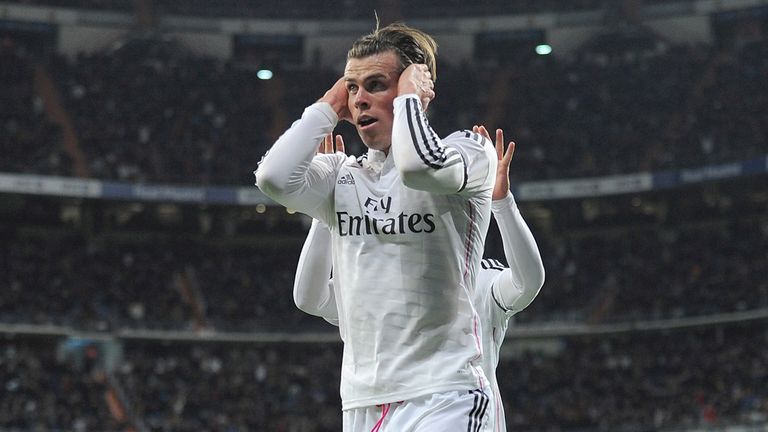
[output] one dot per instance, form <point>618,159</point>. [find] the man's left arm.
<point>461,163</point>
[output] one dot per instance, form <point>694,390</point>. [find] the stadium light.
<point>543,49</point>
<point>264,74</point>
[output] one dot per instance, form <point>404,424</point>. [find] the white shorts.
<point>459,411</point>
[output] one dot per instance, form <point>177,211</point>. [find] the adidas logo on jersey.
<point>346,179</point>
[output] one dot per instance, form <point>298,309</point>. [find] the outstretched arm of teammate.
<point>312,289</point>
<point>290,173</point>
<point>517,286</point>
<point>460,162</point>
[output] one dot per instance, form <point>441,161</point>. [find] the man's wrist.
<point>407,95</point>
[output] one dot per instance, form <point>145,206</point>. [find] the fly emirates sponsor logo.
<point>403,223</point>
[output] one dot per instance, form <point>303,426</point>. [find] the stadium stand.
<point>594,115</point>
<point>331,9</point>
<point>112,280</point>
<point>131,315</point>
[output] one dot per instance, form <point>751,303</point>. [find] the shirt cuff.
<point>505,203</point>
<point>408,96</point>
<point>326,110</point>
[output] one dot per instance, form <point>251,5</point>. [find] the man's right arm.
<point>312,289</point>
<point>291,175</point>
<point>518,285</point>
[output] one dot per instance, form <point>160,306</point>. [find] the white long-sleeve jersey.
<point>500,291</point>
<point>408,231</point>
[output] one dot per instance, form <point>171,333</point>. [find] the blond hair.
<point>411,46</point>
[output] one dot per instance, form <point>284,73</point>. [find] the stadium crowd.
<point>107,283</point>
<point>331,9</point>
<point>655,381</point>
<point>45,391</point>
<point>150,113</point>
<point>641,382</point>
<point>651,273</point>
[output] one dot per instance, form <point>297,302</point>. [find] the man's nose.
<point>361,99</point>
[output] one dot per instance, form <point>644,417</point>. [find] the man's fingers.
<point>340,144</point>
<point>328,144</point>
<point>509,152</point>
<point>500,144</point>
<point>481,130</point>
<point>323,148</point>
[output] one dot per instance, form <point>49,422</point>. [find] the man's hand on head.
<point>337,97</point>
<point>417,78</point>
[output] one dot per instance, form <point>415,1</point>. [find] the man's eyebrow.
<point>368,78</point>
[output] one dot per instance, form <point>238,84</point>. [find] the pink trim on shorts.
<point>384,412</point>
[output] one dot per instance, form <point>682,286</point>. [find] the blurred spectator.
<point>29,142</point>
<point>42,392</point>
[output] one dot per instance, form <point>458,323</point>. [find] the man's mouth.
<point>366,121</point>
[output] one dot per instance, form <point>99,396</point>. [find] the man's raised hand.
<point>338,97</point>
<point>501,187</point>
<point>326,147</point>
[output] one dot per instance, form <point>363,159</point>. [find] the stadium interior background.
<point>146,283</point>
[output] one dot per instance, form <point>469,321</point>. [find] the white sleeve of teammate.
<point>517,286</point>
<point>460,163</point>
<point>312,288</point>
<point>292,175</point>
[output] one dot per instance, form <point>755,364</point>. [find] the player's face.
<point>372,86</point>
